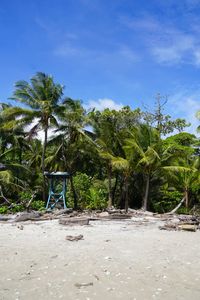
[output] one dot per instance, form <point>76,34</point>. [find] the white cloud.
<point>40,132</point>
<point>104,103</point>
<point>186,105</point>
<point>176,47</point>
<point>165,41</point>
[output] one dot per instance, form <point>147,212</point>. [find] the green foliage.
<point>96,198</point>
<point>3,209</point>
<point>17,208</point>
<point>24,196</point>
<point>168,200</point>
<point>38,205</point>
<point>90,193</point>
<point>183,211</point>
<point>121,159</point>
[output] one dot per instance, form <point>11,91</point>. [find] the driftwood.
<point>187,227</point>
<point>113,216</point>
<point>79,285</point>
<point>74,221</point>
<point>74,238</point>
<point>31,200</point>
<point>169,227</point>
<point>25,216</point>
<point>186,223</point>
<point>177,207</point>
<point>5,218</point>
<point>62,211</point>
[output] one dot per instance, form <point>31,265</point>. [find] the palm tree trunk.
<point>186,198</point>
<point>146,196</point>
<point>109,186</point>
<point>43,158</point>
<point>114,189</point>
<point>126,193</point>
<point>74,193</point>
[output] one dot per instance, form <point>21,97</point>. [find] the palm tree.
<point>106,126</point>
<point>42,98</point>
<point>69,146</point>
<point>143,145</point>
<point>185,177</point>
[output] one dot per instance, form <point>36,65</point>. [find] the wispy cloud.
<point>118,54</point>
<point>68,50</point>
<point>165,41</point>
<point>186,104</point>
<point>175,47</point>
<point>104,103</point>
<point>145,22</point>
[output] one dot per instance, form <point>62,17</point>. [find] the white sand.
<point>121,259</point>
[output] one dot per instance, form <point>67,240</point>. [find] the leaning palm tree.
<point>41,98</point>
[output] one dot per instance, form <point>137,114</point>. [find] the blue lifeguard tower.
<point>57,188</point>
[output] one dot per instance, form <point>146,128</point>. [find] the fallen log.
<point>187,227</point>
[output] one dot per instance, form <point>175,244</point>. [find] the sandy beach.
<point>115,260</point>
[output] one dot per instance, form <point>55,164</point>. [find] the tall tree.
<point>144,145</point>
<point>162,122</point>
<point>42,97</point>
<point>72,141</point>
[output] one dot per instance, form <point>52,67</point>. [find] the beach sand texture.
<point>114,260</point>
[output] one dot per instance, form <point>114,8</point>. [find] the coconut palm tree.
<point>106,126</point>
<point>72,141</point>
<point>143,147</point>
<point>185,176</point>
<point>42,99</point>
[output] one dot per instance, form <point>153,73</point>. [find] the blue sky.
<point>107,53</point>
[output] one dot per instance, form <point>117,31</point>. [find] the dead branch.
<point>3,197</point>
<point>177,207</point>
<point>30,201</point>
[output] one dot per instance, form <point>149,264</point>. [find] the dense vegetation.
<point>116,158</point>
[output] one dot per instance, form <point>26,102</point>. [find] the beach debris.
<point>63,211</point>
<point>6,218</point>
<point>188,227</point>
<point>107,258</point>
<point>74,221</point>
<point>21,227</point>
<point>103,214</point>
<point>114,215</point>
<point>182,222</point>
<point>74,238</point>
<point>25,216</point>
<point>168,226</point>
<point>97,277</point>
<point>80,285</point>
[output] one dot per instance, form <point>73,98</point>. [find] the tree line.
<point>116,158</point>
